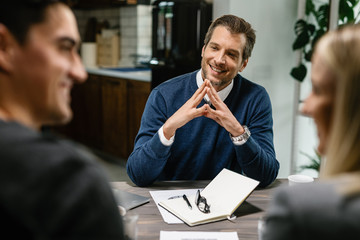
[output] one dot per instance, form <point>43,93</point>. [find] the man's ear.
<point>7,49</point>
<point>202,51</point>
<point>243,65</point>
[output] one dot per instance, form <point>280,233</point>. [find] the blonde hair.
<point>340,49</point>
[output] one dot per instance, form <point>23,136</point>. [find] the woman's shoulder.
<point>321,196</point>
<point>313,211</point>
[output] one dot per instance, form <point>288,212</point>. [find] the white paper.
<point>183,235</point>
<point>159,196</point>
<point>225,193</point>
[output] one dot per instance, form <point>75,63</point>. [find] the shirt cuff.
<point>163,139</point>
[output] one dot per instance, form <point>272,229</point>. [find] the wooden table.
<point>151,222</point>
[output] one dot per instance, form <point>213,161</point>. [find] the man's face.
<point>47,65</point>
<point>222,57</point>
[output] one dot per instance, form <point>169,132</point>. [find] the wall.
<point>135,28</point>
<point>144,32</point>
<point>134,24</point>
<point>271,61</point>
<point>112,15</point>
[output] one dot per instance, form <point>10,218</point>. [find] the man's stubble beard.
<point>218,84</point>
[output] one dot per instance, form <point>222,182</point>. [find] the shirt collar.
<point>222,94</point>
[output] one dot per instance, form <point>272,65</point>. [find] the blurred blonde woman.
<point>329,208</point>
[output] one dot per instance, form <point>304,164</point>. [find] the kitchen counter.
<point>126,73</point>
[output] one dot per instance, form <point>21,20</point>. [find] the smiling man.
<point>196,124</point>
<point>50,189</point>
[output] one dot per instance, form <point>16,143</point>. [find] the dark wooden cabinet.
<point>137,95</point>
<point>114,114</point>
<point>107,113</point>
<point>86,103</point>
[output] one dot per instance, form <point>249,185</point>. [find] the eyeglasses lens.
<point>201,203</point>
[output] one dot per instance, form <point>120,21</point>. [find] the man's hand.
<point>222,115</point>
<point>186,113</point>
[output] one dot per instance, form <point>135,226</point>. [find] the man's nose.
<point>220,58</point>
<point>78,71</point>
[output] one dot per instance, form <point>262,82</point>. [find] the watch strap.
<point>241,139</point>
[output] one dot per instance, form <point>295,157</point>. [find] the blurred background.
<point>131,46</point>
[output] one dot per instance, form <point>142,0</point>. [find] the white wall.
<point>135,34</point>
<point>271,61</point>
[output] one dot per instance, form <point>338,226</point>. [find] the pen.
<point>187,201</point>
<point>173,197</point>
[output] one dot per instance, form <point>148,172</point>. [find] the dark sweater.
<point>52,190</point>
<point>202,148</point>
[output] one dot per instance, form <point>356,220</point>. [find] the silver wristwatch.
<point>240,140</point>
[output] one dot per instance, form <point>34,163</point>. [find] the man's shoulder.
<point>178,88</point>
<point>245,88</point>
<point>177,82</point>
<point>247,84</point>
<point>29,147</point>
<point>13,130</point>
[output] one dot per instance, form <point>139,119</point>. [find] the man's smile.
<point>216,69</point>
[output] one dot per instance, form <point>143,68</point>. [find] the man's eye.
<point>233,54</point>
<point>66,47</point>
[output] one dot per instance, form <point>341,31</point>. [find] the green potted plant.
<point>307,32</point>
<point>315,162</point>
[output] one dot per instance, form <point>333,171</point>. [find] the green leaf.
<point>310,7</point>
<point>314,166</point>
<point>346,13</point>
<point>299,72</point>
<point>352,3</point>
<point>303,32</point>
<point>300,27</point>
<point>315,162</point>
<point>322,16</point>
<point>311,28</point>
<point>301,41</point>
<point>318,34</point>
<point>308,55</point>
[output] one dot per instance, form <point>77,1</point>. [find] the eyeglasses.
<point>201,203</point>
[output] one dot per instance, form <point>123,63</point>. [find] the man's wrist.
<point>242,138</point>
<point>163,139</point>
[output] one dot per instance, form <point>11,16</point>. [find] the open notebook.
<point>129,200</point>
<point>224,194</point>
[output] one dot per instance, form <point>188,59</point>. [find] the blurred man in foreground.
<point>49,188</point>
